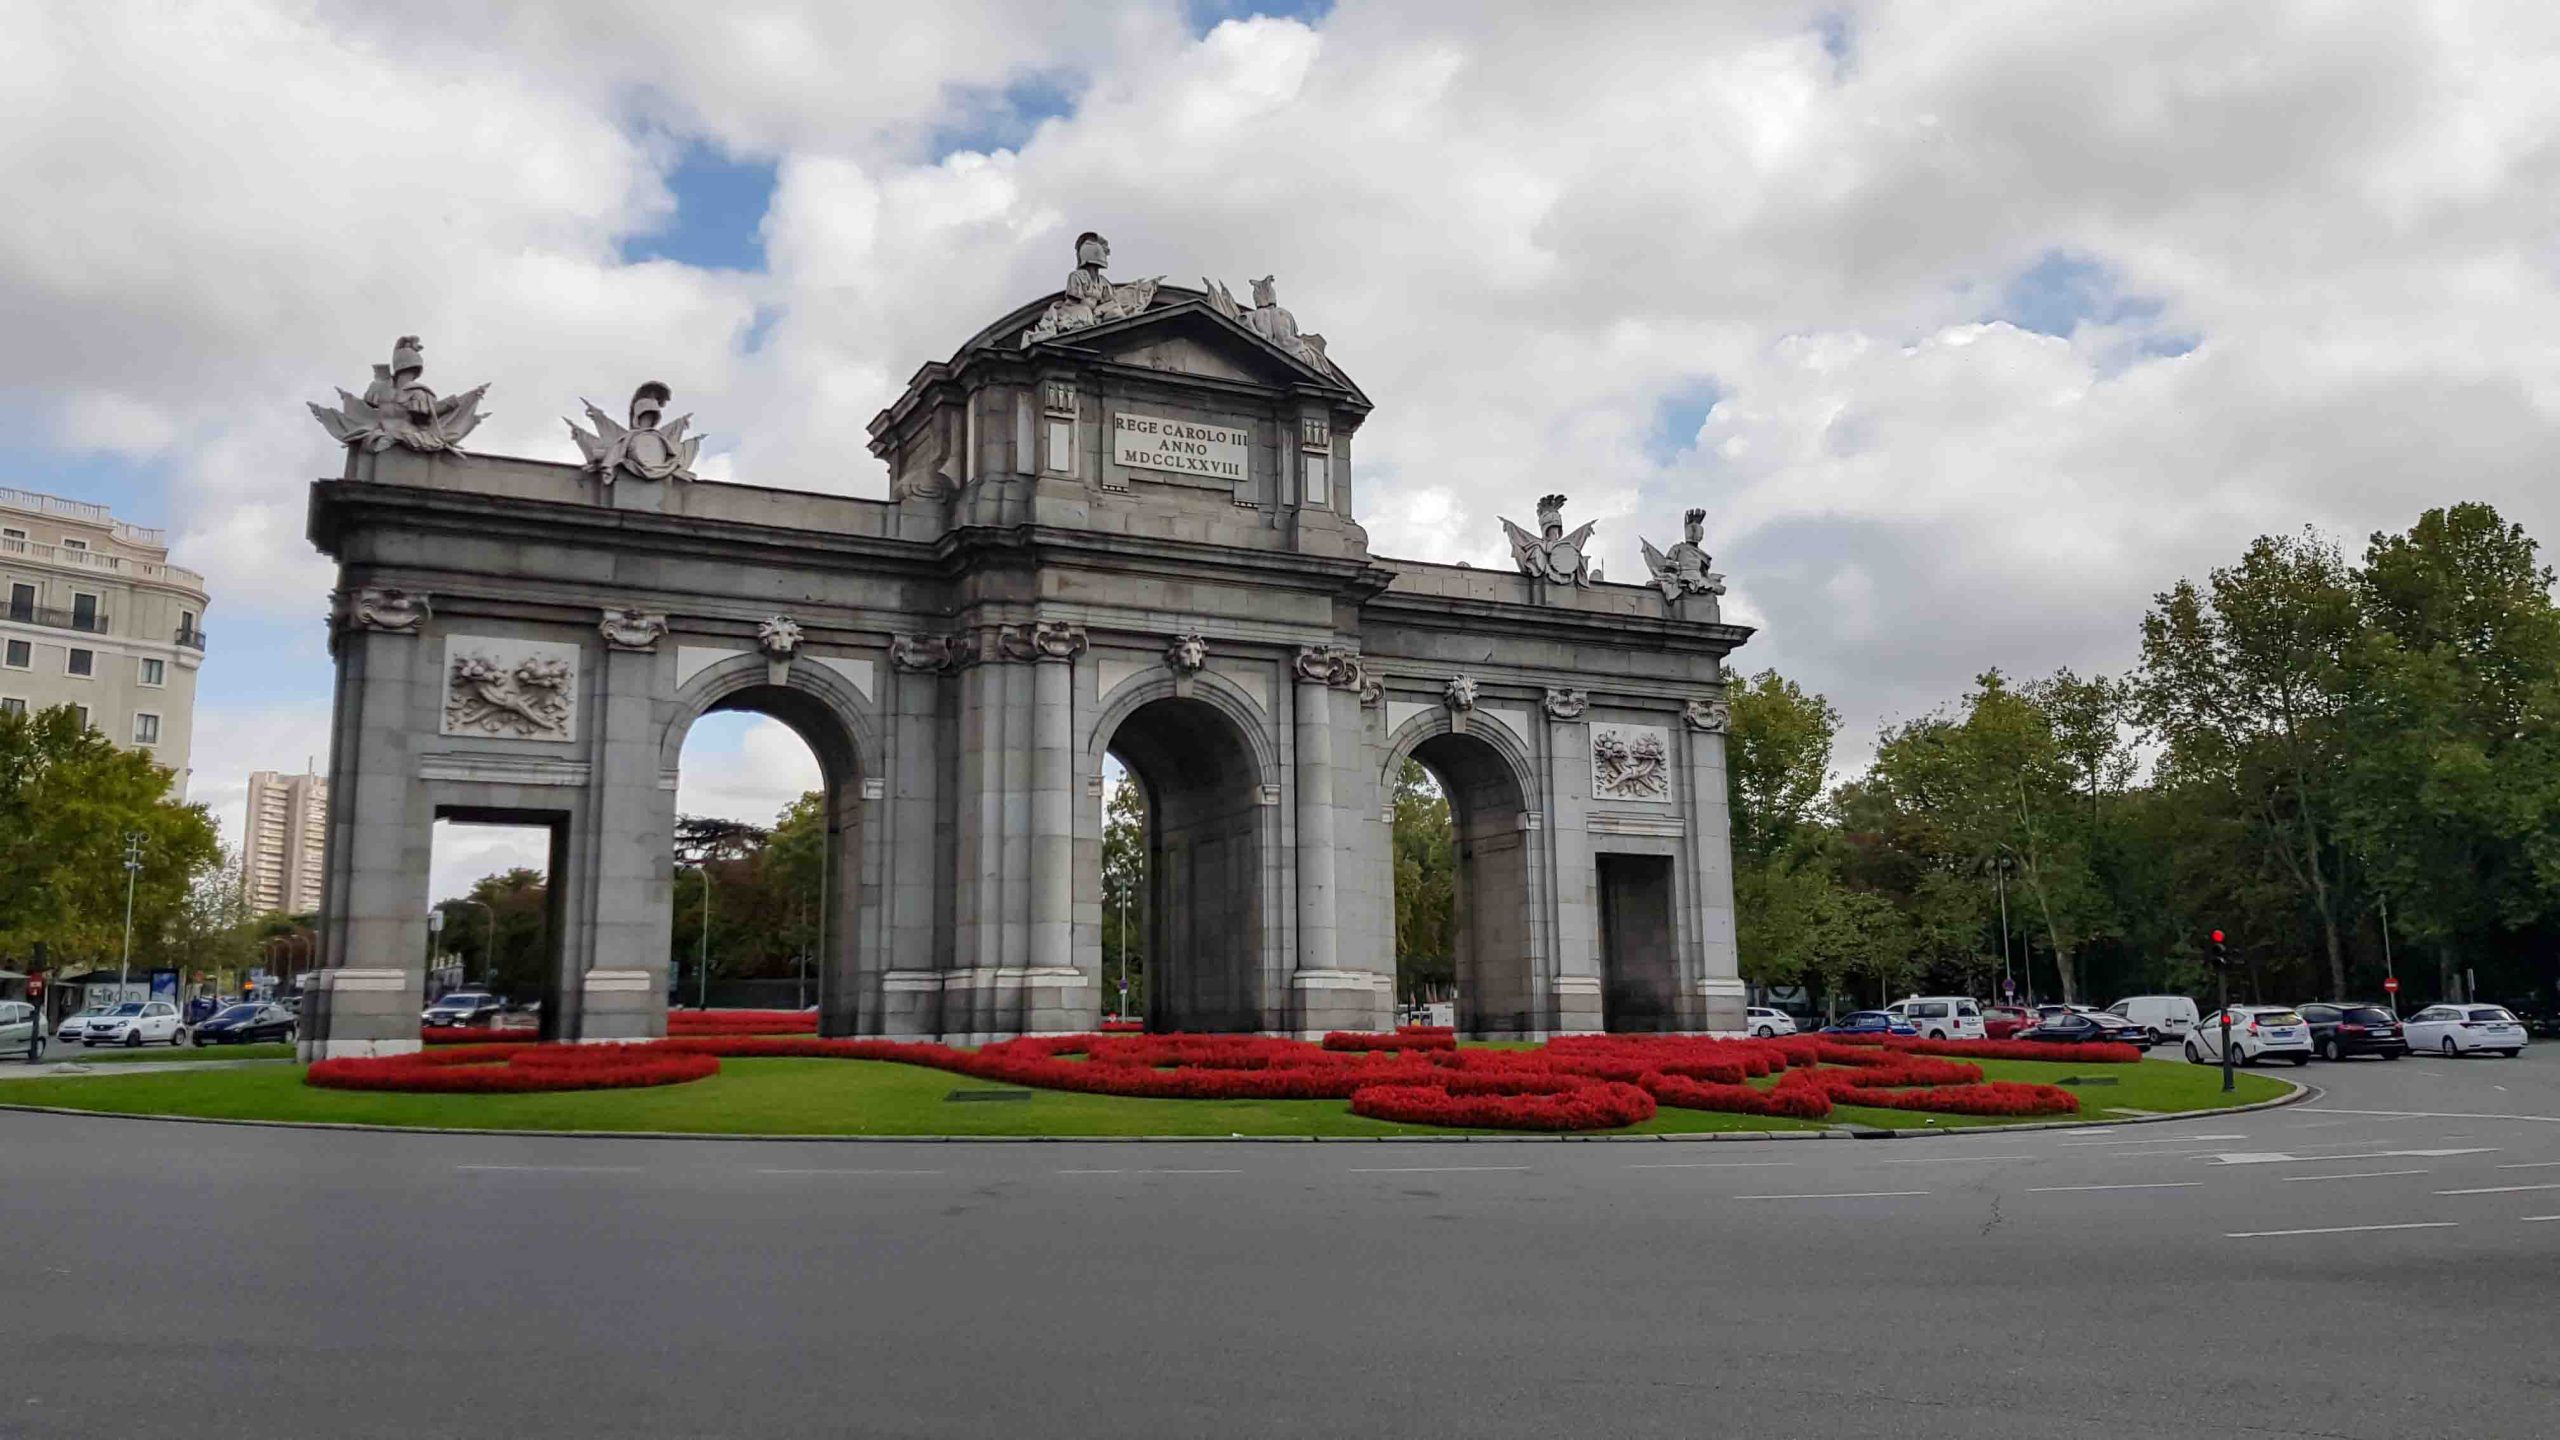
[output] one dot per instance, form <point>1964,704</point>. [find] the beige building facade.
<point>280,842</point>
<point>93,614</point>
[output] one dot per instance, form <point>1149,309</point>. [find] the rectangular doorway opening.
<point>494,917</point>
<point>1639,962</point>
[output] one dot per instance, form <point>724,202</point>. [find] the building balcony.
<point>72,557</point>
<point>93,623</point>
<point>191,637</point>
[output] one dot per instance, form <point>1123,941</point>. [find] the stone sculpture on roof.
<point>1551,555</point>
<point>399,409</point>
<point>1271,320</point>
<point>1684,571</point>
<point>1091,298</point>
<point>651,447</point>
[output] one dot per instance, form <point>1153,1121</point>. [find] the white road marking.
<point>2529,1219</point>
<point>561,1169</point>
<point>2154,1185</point>
<point>2436,1115</point>
<point>2279,1157</point>
<point>2499,1190</point>
<point>2355,1175</point>
<point>2164,1140</point>
<point>2532,1165</point>
<point>1949,1159</point>
<point>1840,1195</point>
<point>1093,1172</point>
<point>1719,1165</point>
<point>1195,1172</point>
<point>1430,1169</point>
<point>2341,1230</point>
<point>848,1172</point>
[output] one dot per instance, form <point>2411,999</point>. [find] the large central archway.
<point>1203,798</point>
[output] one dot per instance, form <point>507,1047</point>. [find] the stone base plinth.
<point>622,1005</point>
<point>1323,1000</point>
<point>351,1013</point>
<point>1577,1005</point>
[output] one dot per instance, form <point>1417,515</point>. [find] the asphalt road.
<point>2378,1262</point>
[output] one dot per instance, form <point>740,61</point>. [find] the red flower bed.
<point>445,1035</point>
<point>2102,1053</point>
<point>742,1022</point>
<point>1124,1027</point>
<point>515,1069</point>
<point>1411,1037</point>
<point>1508,1102</point>
<point>1794,1102</point>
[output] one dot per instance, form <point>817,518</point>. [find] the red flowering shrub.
<point>477,1035</point>
<point>1507,1102</point>
<point>1411,1037</point>
<point>496,1069</point>
<point>1992,1097</point>
<point>1124,1027</point>
<point>1796,1102</point>
<point>742,1022</point>
<point>2098,1053</point>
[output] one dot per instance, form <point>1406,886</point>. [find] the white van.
<point>1940,1017</point>
<point>2167,1018</point>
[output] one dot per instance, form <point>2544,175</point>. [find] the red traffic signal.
<point>2217,937</point>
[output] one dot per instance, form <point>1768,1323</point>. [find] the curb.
<point>2301,1091</point>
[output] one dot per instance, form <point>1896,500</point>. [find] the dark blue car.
<point>1868,1022</point>
<point>246,1025</point>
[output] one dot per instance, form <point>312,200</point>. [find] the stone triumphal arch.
<point>1119,524</point>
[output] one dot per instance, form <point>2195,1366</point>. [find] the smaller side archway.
<point>1203,798</point>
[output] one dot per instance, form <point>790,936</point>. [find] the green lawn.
<point>118,1055</point>
<point>861,1097</point>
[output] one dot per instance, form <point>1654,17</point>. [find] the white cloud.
<point>1522,230</point>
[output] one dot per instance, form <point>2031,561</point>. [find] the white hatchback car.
<point>2461,1029</point>
<point>1764,1022</point>
<point>21,1032</point>
<point>2258,1032</point>
<point>136,1022</point>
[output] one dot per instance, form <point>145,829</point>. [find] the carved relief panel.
<point>510,689</point>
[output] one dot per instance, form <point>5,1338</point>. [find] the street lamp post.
<point>132,872</point>
<point>1124,948</point>
<point>489,941</point>
<point>2000,866</point>
<point>702,963</point>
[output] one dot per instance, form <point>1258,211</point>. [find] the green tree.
<point>1124,892</point>
<point>2245,680</point>
<point>1777,767</point>
<point>68,800</point>
<point>1426,859</point>
<point>520,901</point>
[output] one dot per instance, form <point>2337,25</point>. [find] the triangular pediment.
<point>1183,334</point>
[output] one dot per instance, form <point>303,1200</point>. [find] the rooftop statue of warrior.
<point>1269,319</point>
<point>1552,555</point>
<point>648,449</point>
<point>399,409</point>
<point>1685,570</point>
<point>1091,298</point>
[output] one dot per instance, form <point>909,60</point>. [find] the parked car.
<point>1940,1017</point>
<point>1868,1022</point>
<point>71,1027</point>
<point>2461,1029</point>
<point>2071,1027</point>
<point>134,1023</point>
<point>2258,1032</point>
<point>463,1007</point>
<point>2000,1022</point>
<point>21,1031</point>
<point>2163,1018</point>
<point>246,1025</point>
<point>1764,1022</point>
<point>2340,1028</point>
<point>2116,1028</point>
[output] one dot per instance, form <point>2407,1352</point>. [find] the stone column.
<point>373,907</point>
<point>1316,940</point>
<point>618,993</point>
<point>1719,988</point>
<point>1053,839</point>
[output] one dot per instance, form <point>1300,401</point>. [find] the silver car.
<point>21,1033</point>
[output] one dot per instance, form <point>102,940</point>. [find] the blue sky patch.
<point>1677,415</point>
<point>720,205</point>
<point>2061,290</point>
<point>987,119</point>
<point>1838,39</point>
<point>1207,15</point>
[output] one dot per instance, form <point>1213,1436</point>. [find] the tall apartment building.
<point>95,616</point>
<point>280,843</point>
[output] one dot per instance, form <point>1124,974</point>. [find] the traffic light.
<point>2221,952</point>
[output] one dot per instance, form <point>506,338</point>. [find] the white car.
<point>1940,1017</point>
<point>2258,1032</point>
<point>136,1022</point>
<point>21,1033</point>
<point>74,1026</point>
<point>1764,1022</point>
<point>2461,1029</point>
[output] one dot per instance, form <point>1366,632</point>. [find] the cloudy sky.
<point>1971,325</point>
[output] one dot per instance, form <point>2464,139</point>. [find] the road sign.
<point>2009,988</point>
<point>2391,983</point>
